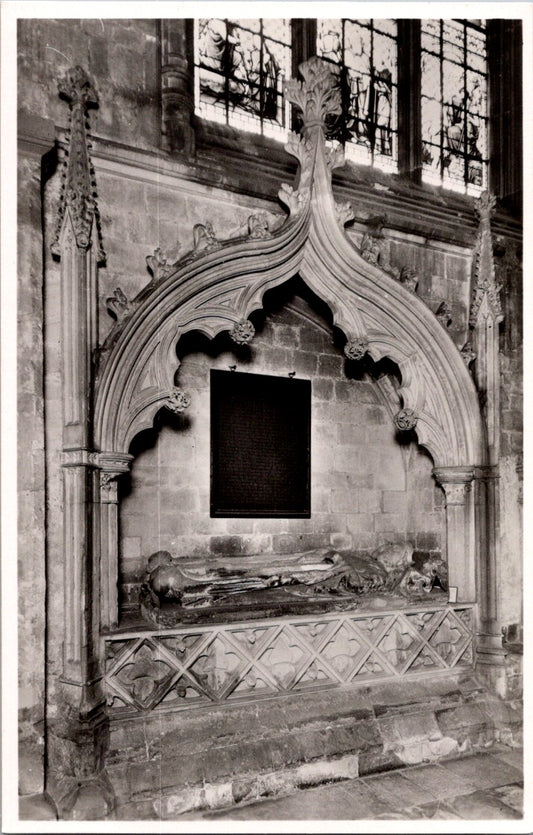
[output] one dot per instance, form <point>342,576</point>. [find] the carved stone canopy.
<point>225,281</point>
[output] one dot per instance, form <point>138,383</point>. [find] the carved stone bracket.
<point>112,466</point>
<point>455,493</point>
<point>406,419</point>
<point>177,401</point>
<point>355,349</point>
<point>78,188</point>
<point>243,332</point>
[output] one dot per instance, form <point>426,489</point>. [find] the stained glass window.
<point>365,52</point>
<point>240,69</point>
<point>454,104</point>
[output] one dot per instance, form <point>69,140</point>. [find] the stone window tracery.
<point>454,104</point>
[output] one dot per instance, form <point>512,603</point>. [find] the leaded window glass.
<point>240,69</point>
<point>365,52</point>
<point>454,104</point>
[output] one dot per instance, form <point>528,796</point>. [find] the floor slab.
<point>483,770</point>
<point>483,805</point>
<point>446,791</point>
<point>438,782</point>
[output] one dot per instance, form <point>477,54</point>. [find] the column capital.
<point>456,483</point>
<point>114,463</point>
<point>453,475</point>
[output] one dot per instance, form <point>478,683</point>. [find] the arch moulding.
<point>217,286</point>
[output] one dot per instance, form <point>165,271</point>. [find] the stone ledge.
<point>259,750</point>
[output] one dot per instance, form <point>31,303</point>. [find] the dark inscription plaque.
<point>260,445</point>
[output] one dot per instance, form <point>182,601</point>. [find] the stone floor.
<point>485,786</point>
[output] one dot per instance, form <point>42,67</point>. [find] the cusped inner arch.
<point>220,291</point>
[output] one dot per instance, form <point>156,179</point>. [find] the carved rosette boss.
<point>355,349</point>
<point>243,332</point>
<point>178,401</point>
<point>406,419</point>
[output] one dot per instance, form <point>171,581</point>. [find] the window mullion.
<point>409,100</point>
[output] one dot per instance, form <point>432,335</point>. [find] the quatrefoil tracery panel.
<point>219,663</point>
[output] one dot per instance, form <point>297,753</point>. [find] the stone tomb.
<point>236,619</point>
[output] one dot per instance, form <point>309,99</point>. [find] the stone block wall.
<point>122,58</point>
<point>366,487</point>
<point>443,271</point>
<point>141,212</point>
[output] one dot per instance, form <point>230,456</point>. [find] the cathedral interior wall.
<point>377,490</point>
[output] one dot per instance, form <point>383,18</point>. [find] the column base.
<point>89,799</point>
<point>498,669</point>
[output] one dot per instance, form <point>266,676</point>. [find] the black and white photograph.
<point>262,416</point>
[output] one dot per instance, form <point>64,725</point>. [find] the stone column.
<point>112,466</point>
<point>77,731</point>
<point>177,85</point>
<point>490,654</point>
<point>456,483</point>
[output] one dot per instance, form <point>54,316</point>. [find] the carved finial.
<point>444,314</point>
<point>78,191</point>
<point>318,95</point>
<point>355,349</point>
<point>485,206</point>
<point>77,88</point>
<point>243,332</point>
<point>405,419</point>
<point>118,304</point>
<point>486,288</point>
<point>177,400</point>
<point>160,266</point>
